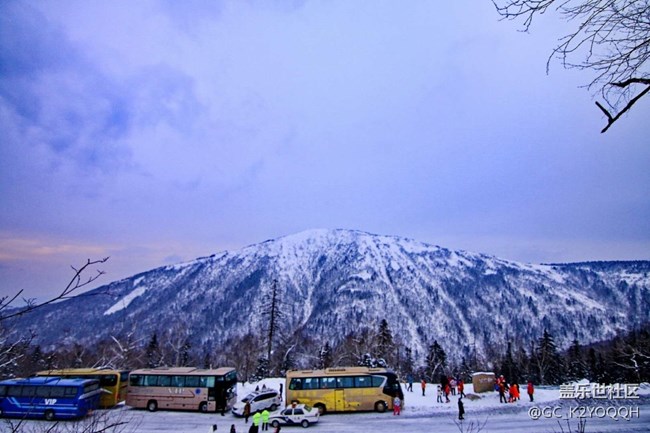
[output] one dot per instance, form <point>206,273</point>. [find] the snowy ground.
<point>423,414</point>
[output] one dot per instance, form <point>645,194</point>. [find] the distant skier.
<point>423,384</point>
<point>461,409</point>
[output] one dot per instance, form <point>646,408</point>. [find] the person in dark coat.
<point>461,409</point>
<point>247,412</point>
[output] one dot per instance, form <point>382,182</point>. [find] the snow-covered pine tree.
<point>325,356</point>
<point>152,353</point>
<point>576,369</point>
<point>547,360</point>
<point>436,361</point>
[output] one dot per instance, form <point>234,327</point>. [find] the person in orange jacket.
<point>531,389</point>
<point>513,393</point>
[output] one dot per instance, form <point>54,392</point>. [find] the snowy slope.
<point>334,281</point>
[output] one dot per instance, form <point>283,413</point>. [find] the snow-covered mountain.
<point>331,282</point>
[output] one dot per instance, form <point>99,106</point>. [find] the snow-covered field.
<point>423,414</point>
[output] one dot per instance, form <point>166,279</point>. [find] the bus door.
<point>339,399</point>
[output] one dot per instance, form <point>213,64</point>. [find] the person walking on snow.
<point>461,409</point>
<point>531,390</point>
<point>424,386</point>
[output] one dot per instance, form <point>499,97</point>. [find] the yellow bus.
<point>113,382</point>
<point>344,389</point>
<point>186,388</point>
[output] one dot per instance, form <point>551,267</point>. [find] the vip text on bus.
<point>185,388</point>
<point>51,398</point>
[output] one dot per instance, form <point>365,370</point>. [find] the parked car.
<point>259,400</point>
<point>298,414</point>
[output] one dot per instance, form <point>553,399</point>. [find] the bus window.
<point>135,380</point>
<point>296,383</point>
<point>345,382</point>
<point>192,381</point>
<point>363,382</point>
<point>310,383</point>
<point>43,391</point>
<point>178,381</point>
<point>3,390</point>
<point>164,380</point>
<point>328,382</point>
<point>377,380</point>
<point>108,380</point>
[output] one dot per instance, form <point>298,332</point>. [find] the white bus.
<point>184,388</point>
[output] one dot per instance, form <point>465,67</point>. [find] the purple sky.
<point>156,132</point>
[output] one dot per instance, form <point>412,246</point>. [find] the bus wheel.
<point>321,408</point>
<point>49,415</point>
<point>380,406</point>
<point>203,407</point>
<point>152,406</point>
<point>274,407</point>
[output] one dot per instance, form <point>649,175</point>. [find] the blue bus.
<point>48,397</point>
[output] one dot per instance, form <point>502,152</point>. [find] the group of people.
<point>259,419</point>
<point>510,393</point>
<point>448,386</point>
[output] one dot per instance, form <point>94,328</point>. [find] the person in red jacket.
<point>531,389</point>
<point>461,388</point>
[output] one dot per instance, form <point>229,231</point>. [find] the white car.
<point>299,414</point>
<point>259,400</point>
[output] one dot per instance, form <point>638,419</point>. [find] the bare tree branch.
<point>612,39</point>
<point>611,119</point>
<point>70,291</point>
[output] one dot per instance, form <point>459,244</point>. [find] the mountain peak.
<point>333,282</point>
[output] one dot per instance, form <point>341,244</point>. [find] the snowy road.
<point>502,420</point>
